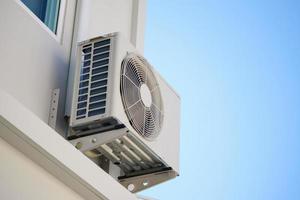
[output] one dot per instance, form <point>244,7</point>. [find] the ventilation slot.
<point>92,91</point>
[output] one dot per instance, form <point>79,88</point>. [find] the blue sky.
<point>236,65</point>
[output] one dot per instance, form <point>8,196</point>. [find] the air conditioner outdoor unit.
<point>124,116</point>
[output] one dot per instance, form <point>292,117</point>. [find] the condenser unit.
<point>124,116</point>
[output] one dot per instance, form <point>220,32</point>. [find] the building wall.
<point>33,60</point>
<point>98,17</point>
<point>22,179</point>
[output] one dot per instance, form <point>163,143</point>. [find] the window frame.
<point>61,19</point>
<point>58,36</point>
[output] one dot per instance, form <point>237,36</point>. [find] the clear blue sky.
<point>236,65</point>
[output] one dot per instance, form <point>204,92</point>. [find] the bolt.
<point>130,187</point>
<point>145,183</point>
<point>78,145</point>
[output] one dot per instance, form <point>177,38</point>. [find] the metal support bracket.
<point>53,108</point>
<point>139,183</point>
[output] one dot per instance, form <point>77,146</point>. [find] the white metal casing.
<point>166,145</point>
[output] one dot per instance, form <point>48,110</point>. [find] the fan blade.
<point>157,115</point>
<point>131,92</point>
<point>149,130</point>
<point>136,115</point>
<point>151,82</point>
<point>134,72</point>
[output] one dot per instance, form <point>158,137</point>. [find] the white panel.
<point>100,17</point>
<point>170,133</point>
<point>138,23</point>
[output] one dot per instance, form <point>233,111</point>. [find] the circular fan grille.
<point>141,96</point>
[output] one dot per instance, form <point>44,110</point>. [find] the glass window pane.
<point>46,10</point>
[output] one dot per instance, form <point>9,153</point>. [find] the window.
<point>46,10</point>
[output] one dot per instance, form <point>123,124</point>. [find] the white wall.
<point>22,179</point>
<point>33,61</point>
<point>98,17</point>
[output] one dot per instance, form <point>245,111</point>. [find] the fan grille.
<point>146,119</point>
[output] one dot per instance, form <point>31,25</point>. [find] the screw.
<point>130,187</point>
<point>145,183</point>
<point>78,145</point>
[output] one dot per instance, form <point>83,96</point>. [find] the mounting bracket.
<point>53,108</point>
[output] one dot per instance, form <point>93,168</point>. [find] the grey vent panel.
<point>92,88</point>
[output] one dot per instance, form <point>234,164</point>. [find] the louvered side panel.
<point>92,91</point>
<point>84,83</point>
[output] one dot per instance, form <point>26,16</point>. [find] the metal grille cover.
<point>92,92</point>
<point>146,119</point>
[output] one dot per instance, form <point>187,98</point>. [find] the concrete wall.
<point>22,179</point>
